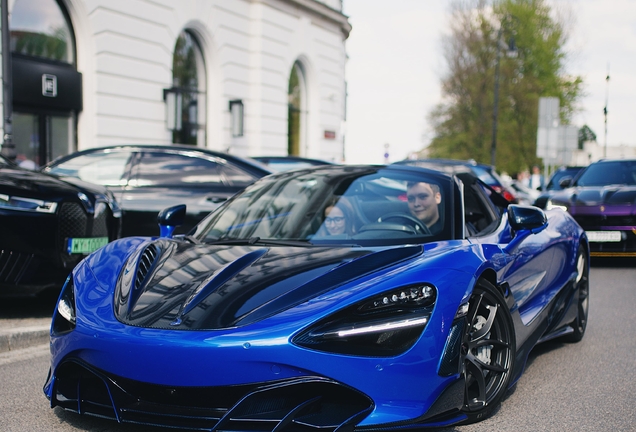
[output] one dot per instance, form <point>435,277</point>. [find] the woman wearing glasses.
<point>339,219</point>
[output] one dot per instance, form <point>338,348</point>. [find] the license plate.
<point>604,236</point>
<point>85,246</point>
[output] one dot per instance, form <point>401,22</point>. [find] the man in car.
<point>423,200</point>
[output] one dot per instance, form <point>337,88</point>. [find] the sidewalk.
<point>23,333</point>
<point>25,322</point>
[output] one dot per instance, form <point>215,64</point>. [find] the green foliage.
<point>52,47</point>
<point>463,123</point>
<point>586,134</point>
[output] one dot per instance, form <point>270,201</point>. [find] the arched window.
<point>296,111</point>
<point>188,81</point>
<point>39,28</point>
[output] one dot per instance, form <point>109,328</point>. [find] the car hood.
<point>595,196</point>
<point>16,181</point>
<point>182,286</point>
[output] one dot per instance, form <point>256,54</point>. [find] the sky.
<point>395,65</point>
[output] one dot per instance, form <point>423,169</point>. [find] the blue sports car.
<point>357,298</point>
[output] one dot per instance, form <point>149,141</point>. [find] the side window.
<point>478,214</point>
<point>104,168</point>
<point>236,176</point>
<point>157,168</point>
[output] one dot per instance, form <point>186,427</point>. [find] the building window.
<point>185,101</point>
<point>47,88</point>
<point>39,28</point>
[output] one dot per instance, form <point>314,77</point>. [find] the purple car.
<point>602,199</point>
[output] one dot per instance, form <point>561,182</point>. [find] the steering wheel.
<point>417,224</point>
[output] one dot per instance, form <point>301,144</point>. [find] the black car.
<point>47,226</point>
<point>554,183</point>
<point>602,199</point>
<point>148,178</point>
<point>486,173</point>
<point>288,163</point>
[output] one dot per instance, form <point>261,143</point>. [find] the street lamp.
<point>511,51</point>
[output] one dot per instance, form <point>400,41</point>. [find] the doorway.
<point>41,137</point>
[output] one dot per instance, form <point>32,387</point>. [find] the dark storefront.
<point>47,89</point>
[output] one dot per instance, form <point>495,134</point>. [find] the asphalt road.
<point>581,387</point>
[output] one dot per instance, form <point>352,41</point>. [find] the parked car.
<point>47,225</point>
<point>486,173</point>
<point>287,163</point>
<point>523,193</point>
<point>147,178</point>
<point>260,319</point>
<point>554,183</point>
<point>602,199</point>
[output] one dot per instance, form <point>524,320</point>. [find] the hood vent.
<point>146,262</point>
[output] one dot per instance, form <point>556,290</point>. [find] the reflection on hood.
<point>169,284</point>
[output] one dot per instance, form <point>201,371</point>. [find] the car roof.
<point>442,161</point>
<point>293,158</point>
<point>246,162</point>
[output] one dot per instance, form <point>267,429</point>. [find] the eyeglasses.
<point>336,220</point>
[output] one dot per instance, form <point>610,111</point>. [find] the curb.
<point>23,337</point>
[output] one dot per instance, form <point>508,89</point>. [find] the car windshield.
<point>621,172</point>
<point>342,205</point>
<point>553,184</point>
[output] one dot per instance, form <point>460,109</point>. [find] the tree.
<point>586,134</point>
<point>462,123</point>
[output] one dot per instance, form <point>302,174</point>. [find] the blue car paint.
<point>402,387</point>
<point>108,344</point>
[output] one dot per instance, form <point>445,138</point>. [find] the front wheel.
<point>488,352</point>
<point>582,295</point>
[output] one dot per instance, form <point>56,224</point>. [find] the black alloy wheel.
<point>488,352</point>
<point>582,296</point>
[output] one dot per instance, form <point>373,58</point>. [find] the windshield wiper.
<point>259,241</point>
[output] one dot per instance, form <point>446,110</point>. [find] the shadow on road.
<point>613,262</point>
<point>31,307</point>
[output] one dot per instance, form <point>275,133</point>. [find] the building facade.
<point>250,77</point>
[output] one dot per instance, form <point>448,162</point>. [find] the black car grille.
<point>40,258</point>
<point>589,222</point>
<point>73,221</point>
<point>296,405</point>
<point>13,265</point>
<point>624,248</point>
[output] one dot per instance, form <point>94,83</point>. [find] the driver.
<point>423,200</point>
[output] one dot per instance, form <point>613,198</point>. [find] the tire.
<point>488,352</point>
<point>582,297</point>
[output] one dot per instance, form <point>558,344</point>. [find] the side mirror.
<point>565,182</point>
<point>170,218</point>
<point>528,218</point>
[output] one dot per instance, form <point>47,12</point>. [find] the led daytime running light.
<point>381,327</point>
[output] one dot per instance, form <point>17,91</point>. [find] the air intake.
<point>146,262</point>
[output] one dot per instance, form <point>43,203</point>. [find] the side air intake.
<point>146,262</point>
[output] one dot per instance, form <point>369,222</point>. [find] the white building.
<point>592,151</point>
<point>251,77</point>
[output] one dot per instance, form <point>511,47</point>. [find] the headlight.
<point>65,312</point>
<point>27,204</point>
<point>382,326</point>
<point>555,205</point>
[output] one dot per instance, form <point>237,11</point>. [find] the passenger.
<point>424,199</point>
<point>339,219</point>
